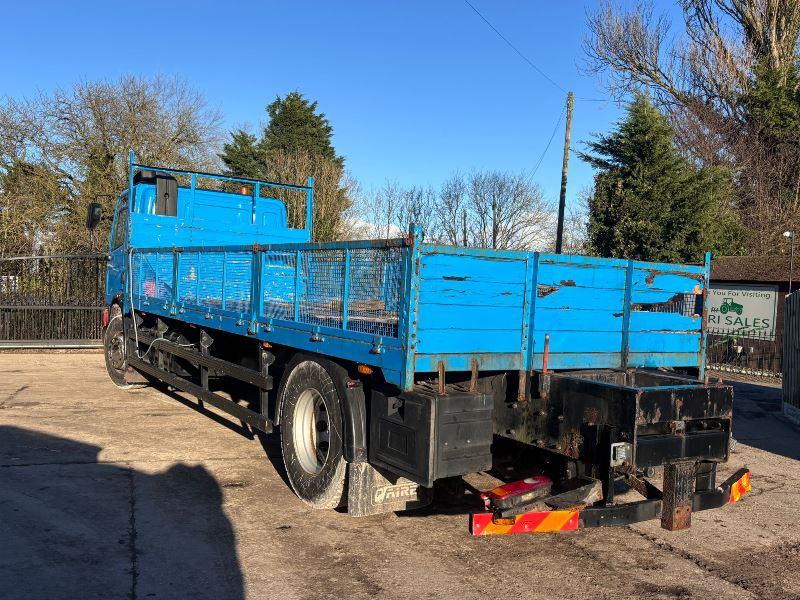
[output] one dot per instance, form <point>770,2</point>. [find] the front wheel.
<point>114,350</point>
<point>311,433</point>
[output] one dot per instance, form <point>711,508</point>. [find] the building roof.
<point>773,268</point>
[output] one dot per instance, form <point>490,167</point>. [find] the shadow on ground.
<point>759,422</point>
<point>72,527</point>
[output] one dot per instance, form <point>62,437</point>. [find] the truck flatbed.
<point>408,307</point>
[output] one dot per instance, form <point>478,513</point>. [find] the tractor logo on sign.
<point>728,305</point>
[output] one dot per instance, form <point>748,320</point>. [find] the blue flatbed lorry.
<point>389,365</point>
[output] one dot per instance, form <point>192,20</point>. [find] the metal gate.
<point>791,357</point>
<point>51,301</point>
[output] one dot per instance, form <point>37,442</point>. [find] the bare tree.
<point>332,192</point>
<point>418,206</point>
<point>375,213</point>
<point>506,211</point>
<point>482,209</point>
<point>81,137</point>
<point>452,212</point>
<point>704,80</point>
<point>576,224</point>
<point>711,64</point>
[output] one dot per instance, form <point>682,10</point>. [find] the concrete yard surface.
<point>108,494</point>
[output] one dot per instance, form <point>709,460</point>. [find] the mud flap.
<point>372,491</point>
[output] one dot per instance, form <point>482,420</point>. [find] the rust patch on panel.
<point>571,443</point>
<point>643,418</point>
<point>545,290</point>
<point>653,273</point>
<point>591,415</point>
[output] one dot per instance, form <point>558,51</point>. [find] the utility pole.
<point>562,200</point>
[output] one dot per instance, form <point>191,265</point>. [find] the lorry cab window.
<point>120,224</point>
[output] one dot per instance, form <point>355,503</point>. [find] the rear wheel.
<point>311,433</point>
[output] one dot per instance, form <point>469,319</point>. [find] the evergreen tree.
<point>651,203</point>
<point>295,144</point>
<point>243,156</point>
<point>772,104</point>
<point>295,126</point>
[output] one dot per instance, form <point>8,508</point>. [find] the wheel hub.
<point>116,353</point>
<point>311,431</point>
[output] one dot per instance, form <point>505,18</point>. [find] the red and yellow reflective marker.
<point>539,521</point>
<point>515,488</point>
<point>739,488</point>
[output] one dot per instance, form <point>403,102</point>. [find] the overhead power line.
<point>513,47</point>
<point>550,141</point>
<point>522,56</point>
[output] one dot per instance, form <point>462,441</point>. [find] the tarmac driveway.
<point>113,494</point>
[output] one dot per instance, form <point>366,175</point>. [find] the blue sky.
<point>414,90</point>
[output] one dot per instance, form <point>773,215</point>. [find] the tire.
<point>311,431</point>
<point>114,351</point>
<point>723,309</point>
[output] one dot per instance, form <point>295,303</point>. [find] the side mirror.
<point>93,214</point>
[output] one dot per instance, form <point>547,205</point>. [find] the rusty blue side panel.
<point>405,307</point>
<point>499,307</point>
<point>472,305</point>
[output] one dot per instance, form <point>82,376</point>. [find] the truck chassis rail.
<point>257,420</point>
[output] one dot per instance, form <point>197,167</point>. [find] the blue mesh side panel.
<point>375,290</point>
<point>144,274</point>
<point>323,287</point>
<point>238,279</point>
<point>277,283</point>
<point>164,275</point>
<point>223,281</point>
<point>188,276</point>
<point>211,279</point>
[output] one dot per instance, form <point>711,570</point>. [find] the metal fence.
<point>755,353</point>
<point>53,300</point>
<point>791,349</point>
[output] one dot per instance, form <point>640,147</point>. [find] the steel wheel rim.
<point>311,431</point>
<point>116,353</point>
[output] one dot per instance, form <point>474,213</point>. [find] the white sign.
<point>743,309</point>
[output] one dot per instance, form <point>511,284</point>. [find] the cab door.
<point>116,271</point>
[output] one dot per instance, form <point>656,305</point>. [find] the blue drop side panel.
<point>665,315</point>
<point>580,305</point>
<point>471,305</point>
